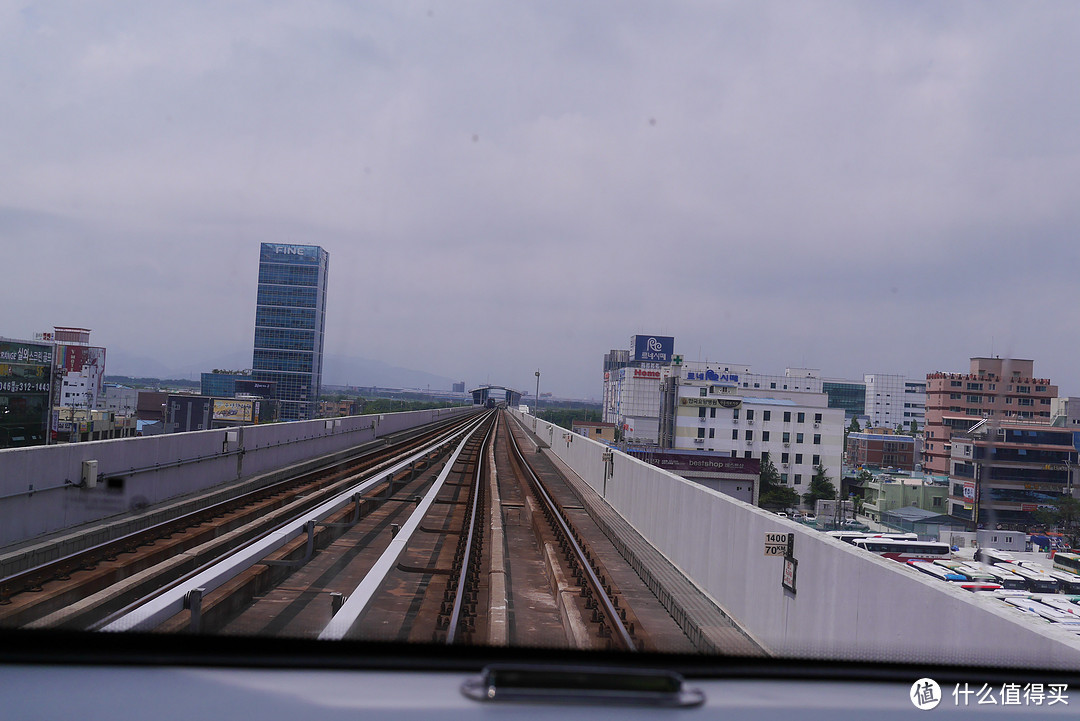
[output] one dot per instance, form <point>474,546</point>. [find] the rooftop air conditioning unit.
<point>787,445</point>
<point>750,422</point>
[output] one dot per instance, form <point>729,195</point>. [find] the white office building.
<point>893,400</point>
<point>632,401</point>
<point>722,412</point>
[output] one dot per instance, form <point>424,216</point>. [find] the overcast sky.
<point>885,187</point>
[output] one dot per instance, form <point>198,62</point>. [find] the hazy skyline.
<point>856,187</point>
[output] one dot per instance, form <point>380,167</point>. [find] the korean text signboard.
<point>653,348</point>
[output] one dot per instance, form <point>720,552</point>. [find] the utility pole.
<point>537,414</point>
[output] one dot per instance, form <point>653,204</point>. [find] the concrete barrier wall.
<point>847,604</point>
<point>38,495</point>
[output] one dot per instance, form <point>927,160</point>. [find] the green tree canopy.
<point>820,487</point>
<point>772,493</point>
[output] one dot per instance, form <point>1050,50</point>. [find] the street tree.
<point>772,493</point>
<point>820,487</point>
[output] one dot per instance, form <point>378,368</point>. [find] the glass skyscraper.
<point>290,315</point>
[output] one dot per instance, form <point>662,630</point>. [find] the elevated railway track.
<point>463,535</point>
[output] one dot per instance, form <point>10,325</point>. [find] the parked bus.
<point>1069,562</point>
<point>1049,613</point>
<point>1062,604</point>
<point>852,536</point>
<point>1067,582</point>
<point>992,556</point>
<point>904,550</point>
<point>1038,581</point>
<point>1004,577</point>
<point>973,572</point>
<point>932,569</point>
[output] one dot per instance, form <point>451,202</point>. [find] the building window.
<point>765,435</point>
<point>817,460</point>
<point>712,413</point>
<point>712,433</point>
<point>701,412</point>
<point>798,458</point>
<point>734,434</point>
<point>735,413</point>
<point>764,456</point>
<point>783,478</point>
<point>784,457</point>
<point>746,454</point>
<point>787,416</point>
<point>787,437</point>
<point>798,479</point>
<point>700,432</point>
<point>800,418</point>
<point>749,414</point>
<point>817,418</point>
<point>749,435</point>
<point>817,439</point>
<point>772,385</point>
<point>766,415</point>
<point>798,437</point>
<point>703,392</point>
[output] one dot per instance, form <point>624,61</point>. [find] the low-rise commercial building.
<point>118,399</point>
<point>735,477</point>
<point>596,430</point>
<point>881,451</point>
<point>76,425</point>
<point>1002,472</point>
<point>887,492</point>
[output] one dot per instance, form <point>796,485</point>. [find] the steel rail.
<point>609,607</point>
<point>478,481</point>
<point>90,554</point>
<point>166,602</point>
<point>353,608</point>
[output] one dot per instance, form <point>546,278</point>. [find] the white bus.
<point>905,549</point>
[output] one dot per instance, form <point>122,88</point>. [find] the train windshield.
<point>538,326</point>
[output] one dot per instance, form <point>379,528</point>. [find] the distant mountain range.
<point>337,370</point>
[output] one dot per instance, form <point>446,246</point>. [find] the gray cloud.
<point>857,187</point>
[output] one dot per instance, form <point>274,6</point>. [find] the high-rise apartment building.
<point>994,388</point>
<point>290,316</point>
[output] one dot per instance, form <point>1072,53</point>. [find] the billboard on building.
<point>263,389</point>
<point>703,462</point>
<point>238,411</point>
<point>25,392</point>
<point>294,254</point>
<point>653,348</point>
